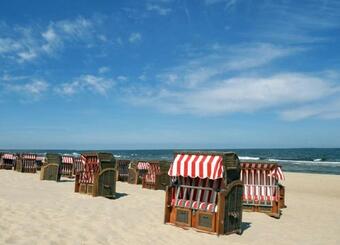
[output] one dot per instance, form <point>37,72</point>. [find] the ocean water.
<point>315,160</point>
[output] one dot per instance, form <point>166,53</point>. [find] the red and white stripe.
<point>29,156</point>
<point>67,159</point>
<point>8,156</point>
<point>40,158</point>
<point>153,170</point>
<point>272,169</point>
<point>277,173</point>
<point>143,165</point>
<point>202,166</point>
<point>260,181</point>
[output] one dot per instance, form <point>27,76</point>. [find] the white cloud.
<point>97,84</point>
<point>228,3</point>
<point>103,69</point>
<point>8,45</point>
<point>242,94</point>
<point>158,9</point>
<point>27,55</point>
<point>219,61</point>
<point>220,80</point>
<point>53,40</point>
<point>122,78</point>
<point>34,88</point>
<point>135,37</point>
<point>326,110</point>
<point>25,43</point>
<point>76,28</point>
<point>142,77</point>
<point>7,77</point>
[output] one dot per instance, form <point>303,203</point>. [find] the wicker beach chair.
<point>39,161</point>
<point>7,161</point>
<point>137,170</point>
<point>123,170</point>
<point>205,192</point>
<point>78,165</point>
<point>99,175</point>
<point>51,168</point>
<point>26,163</point>
<point>67,165</point>
<point>262,189</point>
<point>157,177</point>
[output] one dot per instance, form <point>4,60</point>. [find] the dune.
<point>47,212</point>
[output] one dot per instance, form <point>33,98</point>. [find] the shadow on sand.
<point>120,195</point>
<point>245,226</point>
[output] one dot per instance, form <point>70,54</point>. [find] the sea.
<point>306,160</point>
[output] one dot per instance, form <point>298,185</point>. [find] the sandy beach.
<point>43,212</point>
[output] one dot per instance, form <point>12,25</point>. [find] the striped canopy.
<point>41,158</point>
<point>143,165</point>
<point>29,156</point>
<point>202,166</point>
<point>67,159</point>
<point>8,156</point>
<point>274,170</point>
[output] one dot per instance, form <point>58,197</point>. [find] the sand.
<point>43,212</point>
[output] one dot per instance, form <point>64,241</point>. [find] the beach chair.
<point>99,175</point>
<point>137,170</point>
<point>123,170</point>
<point>26,163</point>
<point>262,190</point>
<point>7,161</point>
<point>40,160</point>
<point>51,169</point>
<point>66,167</point>
<point>205,192</point>
<point>157,177</point>
<point>78,165</point>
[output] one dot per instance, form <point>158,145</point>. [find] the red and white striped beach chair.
<point>98,177</point>
<point>26,163</point>
<point>156,177</point>
<point>262,190</point>
<point>201,196</point>
<point>137,170</point>
<point>7,161</point>
<point>79,164</point>
<point>66,167</point>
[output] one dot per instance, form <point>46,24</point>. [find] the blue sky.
<point>169,74</point>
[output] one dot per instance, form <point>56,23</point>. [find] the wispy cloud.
<point>325,110</point>
<point>158,9</point>
<point>34,88</point>
<point>242,94</point>
<point>135,37</point>
<point>223,80</point>
<point>103,69</point>
<point>219,61</point>
<point>25,43</point>
<point>87,83</point>
<point>228,3</point>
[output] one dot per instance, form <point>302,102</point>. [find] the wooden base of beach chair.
<point>83,188</point>
<point>282,203</point>
<point>104,184</point>
<point>205,221</point>
<point>225,220</point>
<point>272,211</point>
<point>6,167</point>
<point>89,189</point>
